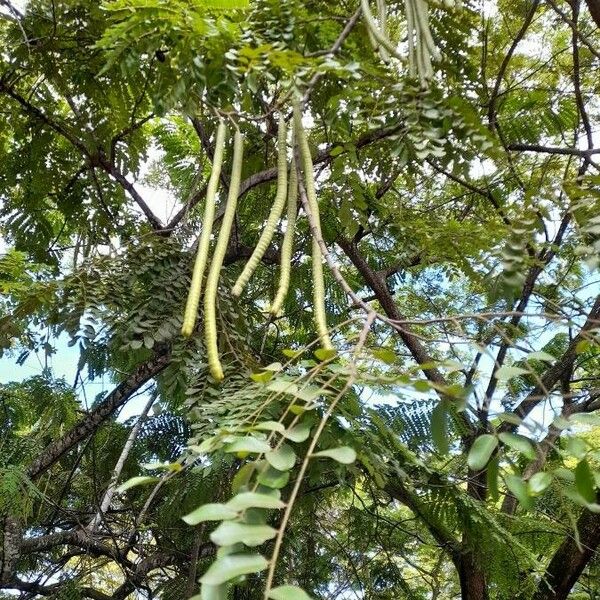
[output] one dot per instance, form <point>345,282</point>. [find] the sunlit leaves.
<point>481,451</point>
<point>229,533</point>
<point>210,512</point>
<point>230,566</point>
<point>343,454</point>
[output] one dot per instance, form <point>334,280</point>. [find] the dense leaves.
<point>417,417</point>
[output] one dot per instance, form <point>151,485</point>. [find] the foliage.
<point>419,419</point>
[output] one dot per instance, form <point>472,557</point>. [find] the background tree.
<point>440,439</point>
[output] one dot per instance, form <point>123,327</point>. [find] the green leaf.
<point>232,532</point>
<point>212,592</point>
<point>586,419</point>
<point>481,451</point>
<point>248,444</point>
<point>163,466</point>
<point>343,454</point>
<point>230,566</point>
<point>274,367</point>
<point>254,500</point>
<point>504,373</point>
<point>273,478</point>
<point>541,355</point>
<point>262,377</point>
<point>439,427</point>
<point>519,443</point>
<point>386,355</point>
<point>269,426</point>
<point>283,386</point>
<point>519,490</point>
<point>242,477</point>
<point>282,459</point>
<point>576,447</point>
<point>288,592</point>
<point>492,478</point>
<point>324,354</point>
<point>135,481</point>
<point>298,433</point>
<point>510,418</point>
<point>584,481</point>
<point>539,482</point>
<point>210,512</point>
<point>227,4</point>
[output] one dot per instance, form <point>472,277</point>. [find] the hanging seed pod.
<point>379,37</point>
<point>317,264</point>
<point>274,215</point>
<point>212,280</point>
<point>382,20</point>
<point>287,245</point>
<point>191,308</point>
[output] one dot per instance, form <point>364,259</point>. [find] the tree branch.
<point>105,409</point>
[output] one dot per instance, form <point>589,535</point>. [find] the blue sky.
<point>63,364</point>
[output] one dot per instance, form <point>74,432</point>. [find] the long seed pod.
<point>274,214</point>
<point>212,280</point>
<point>382,18</point>
<point>287,245</point>
<point>422,14</point>
<point>380,38</point>
<point>191,307</point>
<point>410,27</point>
<point>317,264</point>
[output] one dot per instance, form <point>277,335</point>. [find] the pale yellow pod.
<point>287,245</point>
<point>317,262</point>
<point>274,215</point>
<point>191,308</point>
<point>212,280</point>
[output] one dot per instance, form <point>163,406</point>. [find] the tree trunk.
<point>570,560</point>
<point>472,579</point>
<point>594,8</point>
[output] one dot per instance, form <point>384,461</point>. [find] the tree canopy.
<point>341,258</point>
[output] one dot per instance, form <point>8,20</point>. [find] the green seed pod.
<point>287,245</point>
<point>191,308</point>
<point>382,19</point>
<point>422,14</point>
<point>410,27</point>
<point>274,214</point>
<point>317,264</point>
<point>380,38</point>
<point>212,280</point>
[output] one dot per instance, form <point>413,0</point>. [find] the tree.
<point>418,181</point>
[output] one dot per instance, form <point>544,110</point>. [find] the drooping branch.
<point>379,286</point>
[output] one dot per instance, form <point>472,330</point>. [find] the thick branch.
<point>553,150</point>
<point>594,8</point>
<point>555,372</point>
<point>570,559</point>
<point>94,158</point>
<point>117,398</point>
<point>378,284</point>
